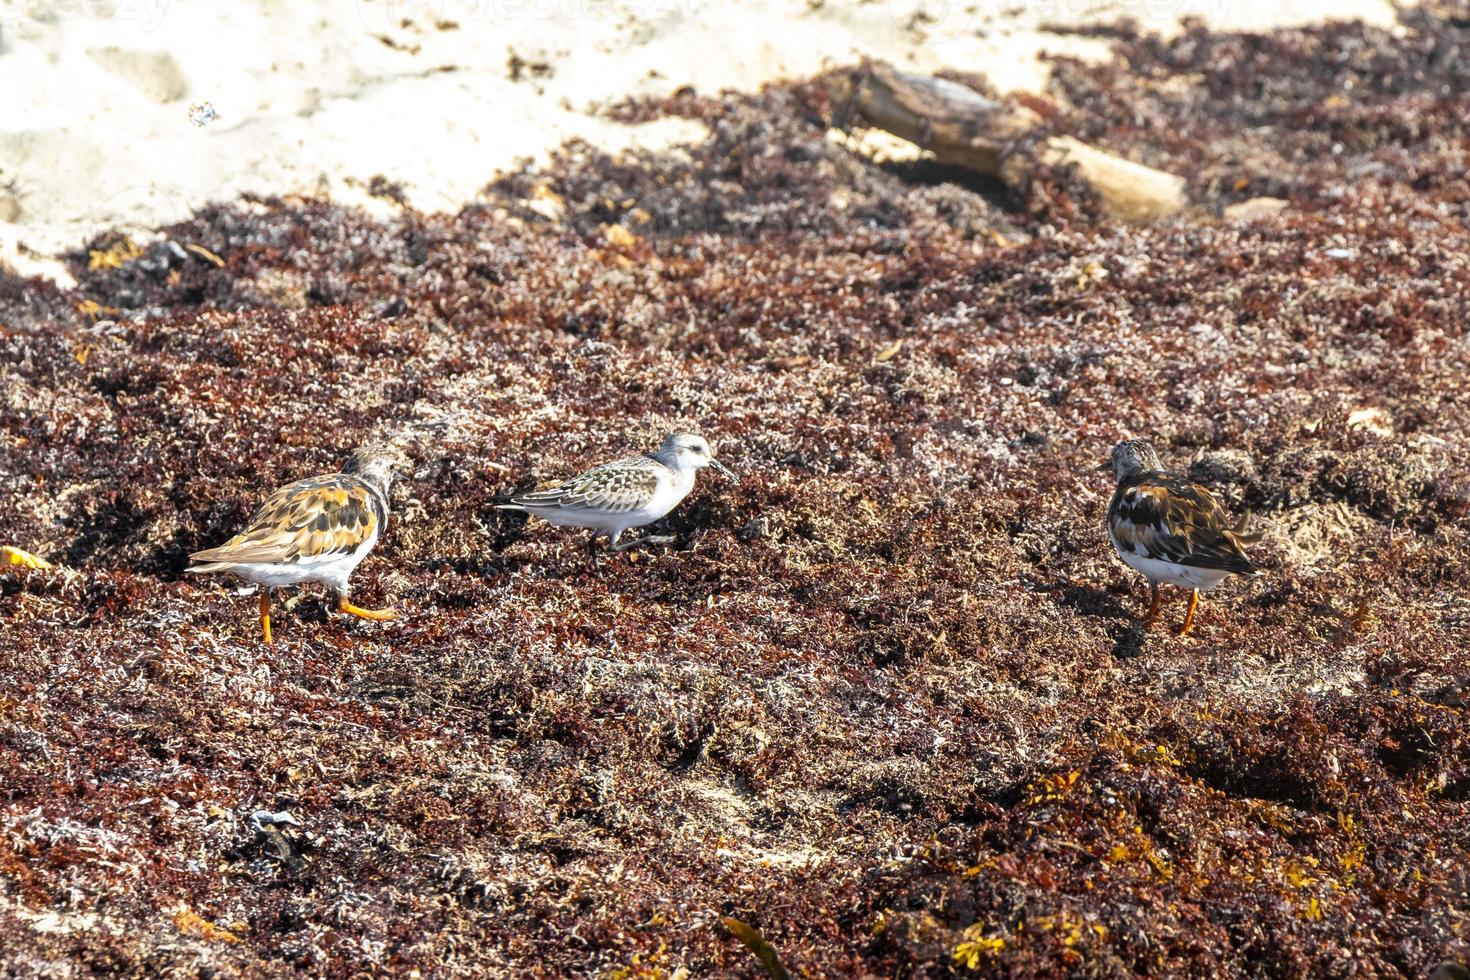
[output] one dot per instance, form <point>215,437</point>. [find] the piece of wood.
<point>962,127</point>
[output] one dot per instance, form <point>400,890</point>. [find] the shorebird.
<point>627,493</point>
<point>313,530</point>
<point>1172,530</point>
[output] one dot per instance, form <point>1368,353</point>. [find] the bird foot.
<point>376,615</point>
<point>645,539</point>
<point>265,615</point>
<point>1151,615</point>
<point>1189,616</point>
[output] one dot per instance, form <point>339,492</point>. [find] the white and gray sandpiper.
<point>626,493</point>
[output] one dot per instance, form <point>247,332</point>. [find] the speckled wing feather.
<point>612,488</point>
<point>324,515</point>
<point>1176,521</point>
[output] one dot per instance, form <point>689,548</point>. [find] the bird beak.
<point>1106,466</point>
<point>724,469</point>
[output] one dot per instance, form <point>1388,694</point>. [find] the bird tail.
<point>210,566</point>
<point>1244,565</point>
<point>1243,532</point>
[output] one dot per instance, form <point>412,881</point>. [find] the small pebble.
<point>202,113</point>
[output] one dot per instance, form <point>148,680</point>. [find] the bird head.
<point>687,451</point>
<point>377,463</point>
<point>1133,456</point>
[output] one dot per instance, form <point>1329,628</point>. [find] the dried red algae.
<point>885,700</point>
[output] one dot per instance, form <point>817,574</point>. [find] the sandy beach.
<point>439,97</point>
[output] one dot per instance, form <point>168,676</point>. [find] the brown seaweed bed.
<point>884,699</point>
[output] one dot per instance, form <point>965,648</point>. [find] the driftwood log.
<point>961,126</point>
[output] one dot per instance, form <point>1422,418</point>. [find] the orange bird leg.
<point>377,615</point>
<point>265,613</point>
<point>1153,607</point>
<point>1189,616</point>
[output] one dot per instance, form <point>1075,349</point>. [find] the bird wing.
<point>324,515</point>
<point>1176,521</point>
<point>614,488</point>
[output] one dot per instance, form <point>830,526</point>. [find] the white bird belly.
<point>1158,570</point>
<point>1174,573</point>
<point>332,569</point>
<point>665,498</point>
<point>597,520</point>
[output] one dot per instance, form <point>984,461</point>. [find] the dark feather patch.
<point>1174,520</point>
<point>322,515</point>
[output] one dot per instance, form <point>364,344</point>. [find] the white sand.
<point>322,95</point>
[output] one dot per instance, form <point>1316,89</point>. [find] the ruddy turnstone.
<point>313,530</point>
<point>1172,530</point>
<point>624,494</point>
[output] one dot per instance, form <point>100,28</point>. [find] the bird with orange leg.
<point>1172,530</point>
<point>314,530</point>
